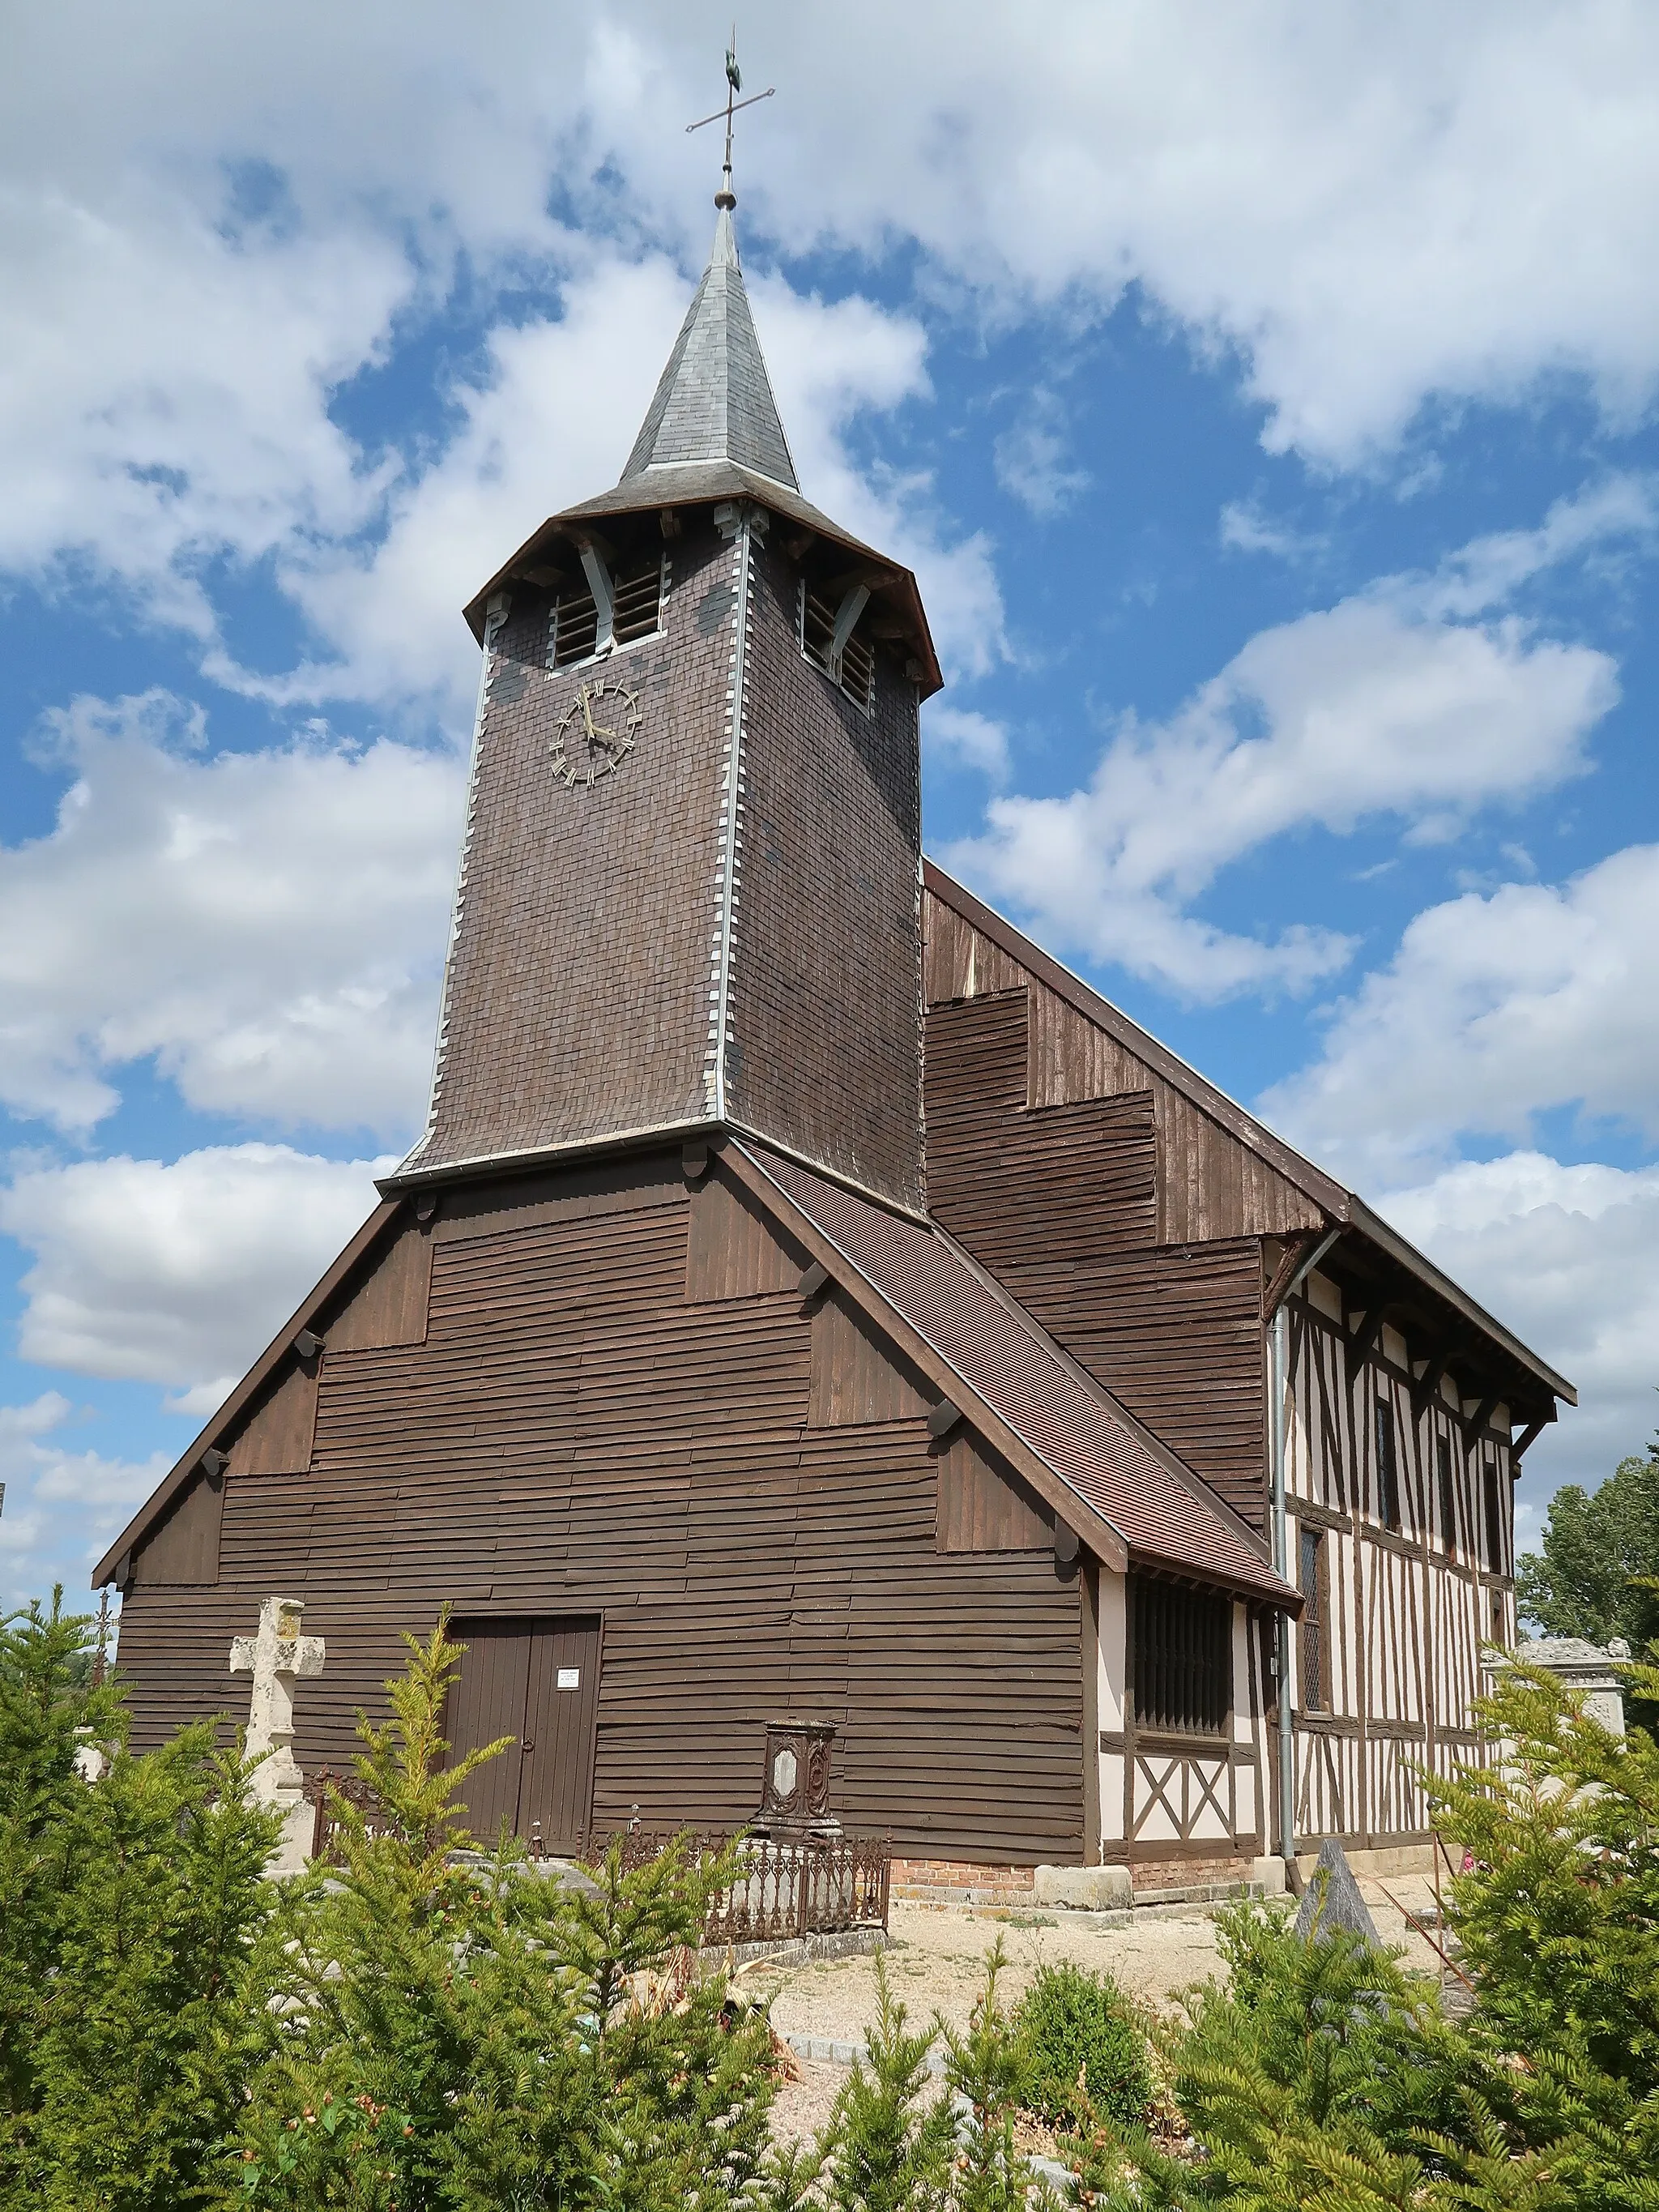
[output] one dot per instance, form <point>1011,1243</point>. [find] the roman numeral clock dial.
<point>597,733</point>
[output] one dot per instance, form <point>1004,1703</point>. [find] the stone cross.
<point>277,1657</point>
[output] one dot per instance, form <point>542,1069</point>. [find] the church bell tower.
<point>688,895</point>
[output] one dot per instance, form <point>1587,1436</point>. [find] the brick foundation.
<point>961,1882</point>
<point>1192,1874</point>
<point>965,1882</point>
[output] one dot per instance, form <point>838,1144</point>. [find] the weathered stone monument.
<point>1332,1898</point>
<point>278,1656</point>
<point>1587,1667</point>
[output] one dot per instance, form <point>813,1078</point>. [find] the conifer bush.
<point>1081,2050</point>
<point>430,2027</point>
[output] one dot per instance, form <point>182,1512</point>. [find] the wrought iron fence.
<point>354,1791</point>
<point>784,1886</point>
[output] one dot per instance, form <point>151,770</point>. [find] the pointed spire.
<point>715,401</point>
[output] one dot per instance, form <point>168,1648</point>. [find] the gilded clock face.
<point>597,734</point>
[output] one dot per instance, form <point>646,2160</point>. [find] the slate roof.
<point>714,402</point>
<point>1162,1512</point>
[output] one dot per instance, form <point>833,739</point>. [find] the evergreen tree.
<point>1597,1549</point>
<point>461,2033</point>
<point>131,1974</point>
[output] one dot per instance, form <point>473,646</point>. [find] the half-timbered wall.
<point>1169,1796</point>
<point>1405,1607</point>
<point>618,1406</point>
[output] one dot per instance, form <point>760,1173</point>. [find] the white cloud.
<point>1031,458</point>
<point>1373,708</point>
<point>42,1476</point>
<point>971,740</point>
<point>1245,528</point>
<point>1568,1256</point>
<point>268,926</point>
<point>178,1274</point>
<point>1494,1009</point>
<point>209,224</point>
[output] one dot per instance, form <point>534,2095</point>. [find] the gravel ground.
<point>936,1963</point>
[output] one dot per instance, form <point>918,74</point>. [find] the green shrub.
<point>1081,2047</point>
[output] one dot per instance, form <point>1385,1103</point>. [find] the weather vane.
<point>725,197</point>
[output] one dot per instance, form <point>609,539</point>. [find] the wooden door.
<point>536,1682</point>
<point>561,1708</point>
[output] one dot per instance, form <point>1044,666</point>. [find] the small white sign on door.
<point>570,1678</point>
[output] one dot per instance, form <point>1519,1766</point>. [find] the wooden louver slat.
<point>856,675</point>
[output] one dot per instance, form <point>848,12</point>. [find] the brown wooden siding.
<point>1060,1205</point>
<point>388,1304</point>
<point>733,1251</point>
<point>277,1436</point>
<point>184,1546</point>
<point>1209,1186</point>
<point>855,1378</point>
<point>574,1438</point>
<point>983,1506</point>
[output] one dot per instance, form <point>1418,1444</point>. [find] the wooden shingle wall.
<point>1060,1203</point>
<point>574,1435</point>
<point>1209,1186</point>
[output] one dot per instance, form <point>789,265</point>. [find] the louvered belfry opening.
<point>854,672</point>
<point>574,630</point>
<point>1182,1658</point>
<point>636,611</point>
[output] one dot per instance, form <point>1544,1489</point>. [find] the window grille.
<point>1494,1520</point>
<point>1314,1691</point>
<point>1183,1659</point>
<point>1443,1458</point>
<point>1387,1466</point>
<point>856,675</point>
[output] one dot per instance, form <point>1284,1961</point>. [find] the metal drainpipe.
<point>1281,1384</point>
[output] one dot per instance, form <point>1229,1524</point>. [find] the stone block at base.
<point>1084,1888</point>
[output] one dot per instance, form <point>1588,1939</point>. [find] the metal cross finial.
<point>725,197</point>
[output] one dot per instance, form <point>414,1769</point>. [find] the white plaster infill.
<point>278,1656</point>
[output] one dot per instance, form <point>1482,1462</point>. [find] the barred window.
<point>1388,1467</point>
<point>573,629</point>
<point>1443,1456</point>
<point>1313,1687</point>
<point>855,670</point>
<point>1183,1658</point>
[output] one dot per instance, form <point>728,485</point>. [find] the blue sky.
<point>1263,395</point>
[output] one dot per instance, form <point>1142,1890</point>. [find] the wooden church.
<point>809,1301</point>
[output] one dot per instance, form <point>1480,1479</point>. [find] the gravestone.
<point>278,1656</point>
<point>1589,1668</point>
<point>1332,1898</point>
